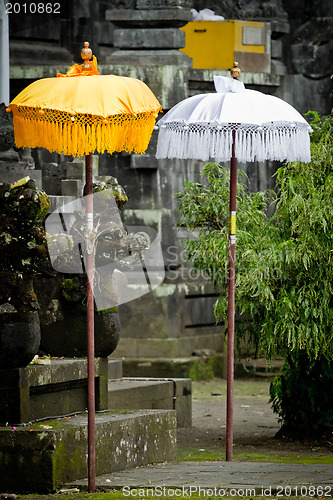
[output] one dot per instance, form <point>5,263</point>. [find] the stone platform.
<point>58,387</point>
<point>43,437</point>
<point>50,388</point>
<point>43,456</point>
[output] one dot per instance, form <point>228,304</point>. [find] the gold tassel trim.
<point>79,135</point>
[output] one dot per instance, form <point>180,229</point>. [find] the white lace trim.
<point>278,141</point>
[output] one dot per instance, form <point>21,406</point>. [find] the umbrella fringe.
<point>252,143</point>
<point>201,144</point>
<point>118,133</point>
<point>273,144</point>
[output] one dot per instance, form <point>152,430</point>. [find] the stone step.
<point>49,388</point>
<point>153,393</point>
<point>115,369</point>
<point>43,456</point>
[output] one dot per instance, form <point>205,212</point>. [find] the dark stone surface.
<point>63,317</point>
<point>49,388</point>
<point>19,339</point>
<point>163,4</point>
<point>146,4</point>
<point>123,4</point>
<point>25,53</point>
<point>145,18</point>
<point>37,26</point>
<point>169,38</point>
<point>52,174</point>
<point>312,46</point>
<point>68,336</point>
<point>301,11</point>
<point>154,58</point>
<point>8,158</point>
<point>6,129</point>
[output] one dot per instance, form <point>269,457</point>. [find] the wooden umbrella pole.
<point>231,302</point>
<point>90,329</point>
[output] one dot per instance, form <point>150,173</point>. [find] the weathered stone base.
<point>42,457</point>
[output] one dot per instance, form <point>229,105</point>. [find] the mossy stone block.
<point>42,457</point>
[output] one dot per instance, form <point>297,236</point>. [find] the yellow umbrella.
<point>83,111</point>
<point>77,114</point>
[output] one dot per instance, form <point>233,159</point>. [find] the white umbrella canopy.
<point>233,124</point>
<point>200,127</point>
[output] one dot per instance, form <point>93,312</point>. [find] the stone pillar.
<point>148,34</point>
<point>4,54</point>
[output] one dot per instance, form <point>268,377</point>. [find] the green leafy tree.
<point>284,279</point>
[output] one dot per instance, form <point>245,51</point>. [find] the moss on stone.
<point>112,185</point>
<point>204,368</point>
<point>112,310</point>
<point>23,207</point>
<point>69,289</point>
<point>73,290</point>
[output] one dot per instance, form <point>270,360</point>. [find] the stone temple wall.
<point>141,38</point>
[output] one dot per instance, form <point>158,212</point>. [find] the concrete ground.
<point>255,427</point>
<point>227,478</point>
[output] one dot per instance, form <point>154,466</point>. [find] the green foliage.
<point>302,396</point>
<point>284,271</point>
<point>284,277</point>
<point>205,212</point>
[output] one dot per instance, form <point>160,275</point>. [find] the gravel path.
<point>255,424</point>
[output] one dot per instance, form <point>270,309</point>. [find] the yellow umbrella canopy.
<point>83,112</point>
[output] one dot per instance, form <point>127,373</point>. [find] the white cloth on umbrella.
<point>266,127</point>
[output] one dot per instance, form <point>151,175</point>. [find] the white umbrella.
<point>200,127</point>
<point>234,123</point>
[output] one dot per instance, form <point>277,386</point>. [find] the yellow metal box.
<point>217,44</point>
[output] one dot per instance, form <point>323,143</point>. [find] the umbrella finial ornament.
<point>235,71</point>
<point>86,54</point>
